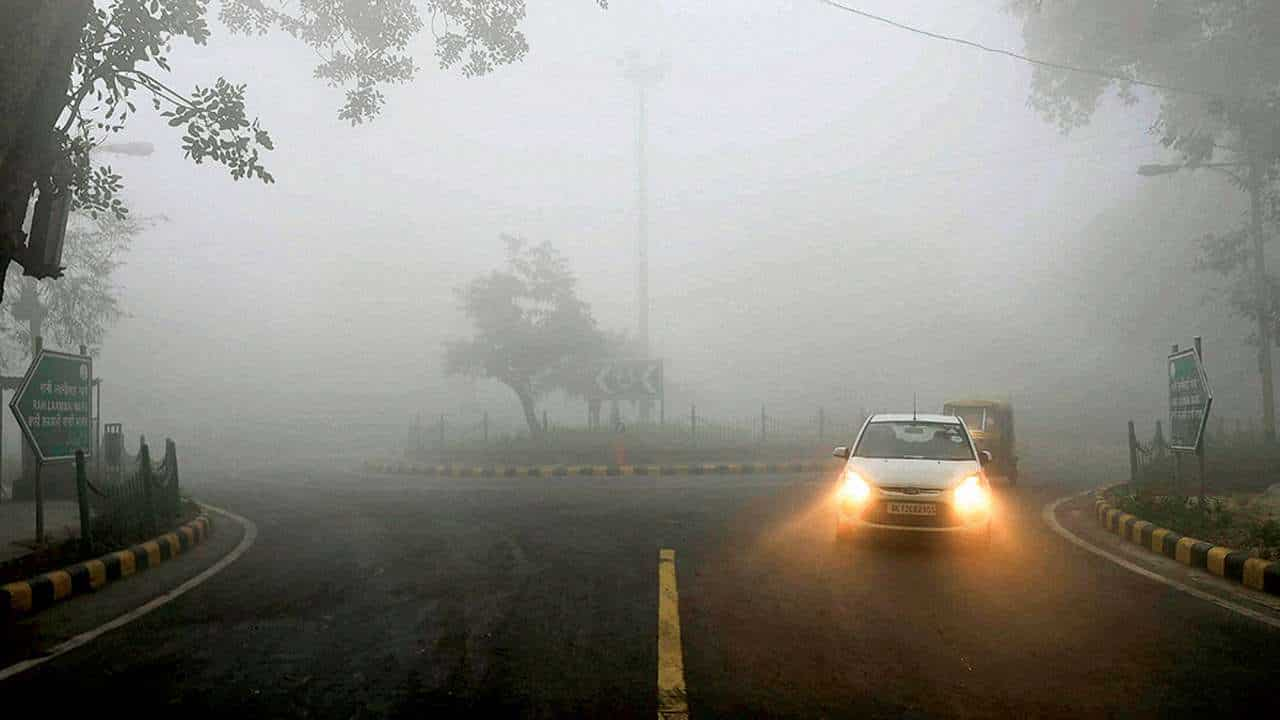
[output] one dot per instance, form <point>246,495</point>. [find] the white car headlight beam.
<point>970,496</point>
<point>854,488</point>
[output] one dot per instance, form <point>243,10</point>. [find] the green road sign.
<point>1189,401</point>
<point>628,379</point>
<point>54,407</point>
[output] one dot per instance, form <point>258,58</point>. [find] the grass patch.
<point>1244,521</point>
<point>1239,511</point>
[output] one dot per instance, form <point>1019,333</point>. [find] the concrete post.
<point>175,488</point>
<point>82,495</point>
<point>1133,456</point>
<point>693,424</point>
<point>39,493</point>
<point>148,502</point>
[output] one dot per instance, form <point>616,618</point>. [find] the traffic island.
<point>1238,565</point>
<point>29,596</point>
<point>537,471</point>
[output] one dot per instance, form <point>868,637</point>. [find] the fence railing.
<point>446,432</point>
<point>137,498</point>
<point>1154,459</point>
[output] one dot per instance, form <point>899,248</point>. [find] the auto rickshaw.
<point>990,422</point>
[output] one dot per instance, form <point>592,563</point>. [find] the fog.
<point>841,215</point>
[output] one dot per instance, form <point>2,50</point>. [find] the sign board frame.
<point>21,390</point>
<point>641,383</point>
<point>1207,392</point>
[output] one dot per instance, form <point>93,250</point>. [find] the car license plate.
<point>909,508</point>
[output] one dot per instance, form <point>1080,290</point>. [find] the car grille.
<point>910,491</point>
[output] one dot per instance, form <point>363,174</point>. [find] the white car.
<point>915,474</point>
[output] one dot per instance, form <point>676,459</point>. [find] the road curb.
<point>42,591</point>
<point>1222,561</point>
<point>533,471</point>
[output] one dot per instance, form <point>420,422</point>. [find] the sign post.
<point>1200,449</point>
<point>1190,400</point>
<point>54,408</point>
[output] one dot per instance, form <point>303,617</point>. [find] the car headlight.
<point>971,496</point>
<point>854,489</point>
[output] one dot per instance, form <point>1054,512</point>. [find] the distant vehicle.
<point>990,423</point>
<point>916,474</point>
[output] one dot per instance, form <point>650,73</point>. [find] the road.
<point>391,596</point>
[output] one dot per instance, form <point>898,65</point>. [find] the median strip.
<point>492,471</point>
<point>1222,561</point>
<point>673,703</point>
<point>37,593</point>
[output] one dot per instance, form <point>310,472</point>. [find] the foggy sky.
<point>841,214</point>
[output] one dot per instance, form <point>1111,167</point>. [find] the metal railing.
<point>135,499</point>
<point>445,432</point>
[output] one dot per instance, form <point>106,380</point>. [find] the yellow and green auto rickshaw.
<point>990,422</point>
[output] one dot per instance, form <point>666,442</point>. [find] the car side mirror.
<point>840,452</point>
<point>984,457</point>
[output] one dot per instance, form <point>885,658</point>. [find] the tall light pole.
<point>1253,182</point>
<point>645,73</point>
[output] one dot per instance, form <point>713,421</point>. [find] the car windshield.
<point>915,440</point>
<point>974,418</point>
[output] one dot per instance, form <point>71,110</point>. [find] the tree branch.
<point>159,89</point>
<point>73,107</point>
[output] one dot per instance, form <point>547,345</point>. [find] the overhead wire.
<point>1096,72</point>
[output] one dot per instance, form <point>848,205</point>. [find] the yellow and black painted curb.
<point>42,591</point>
<point>1222,561</point>
<point>403,468</point>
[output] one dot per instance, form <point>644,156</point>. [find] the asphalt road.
<point>382,596</point>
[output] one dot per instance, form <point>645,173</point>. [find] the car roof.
<point>977,403</point>
<point>919,417</point>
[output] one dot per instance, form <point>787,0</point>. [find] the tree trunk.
<point>38,44</point>
<point>530,413</point>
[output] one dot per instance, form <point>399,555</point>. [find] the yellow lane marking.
<point>673,703</point>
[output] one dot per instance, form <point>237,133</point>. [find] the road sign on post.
<point>54,406</point>
<point>1189,401</point>
<point>628,380</point>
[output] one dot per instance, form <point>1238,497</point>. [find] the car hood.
<point>934,474</point>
